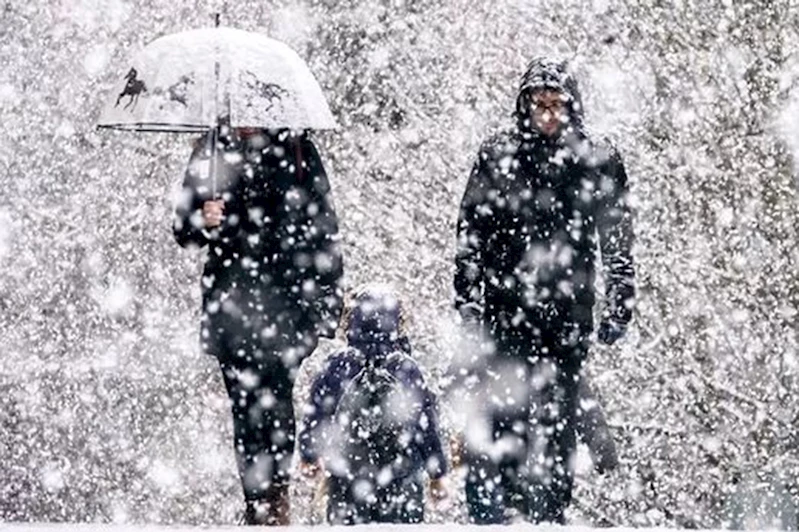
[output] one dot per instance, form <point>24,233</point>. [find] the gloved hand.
<point>471,321</point>
<point>473,345</point>
<point>471,315</point>
<point>610,331</point>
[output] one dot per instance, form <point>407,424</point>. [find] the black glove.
<point>471,315</point>
<point>610,331</point>
<point>471,325</point>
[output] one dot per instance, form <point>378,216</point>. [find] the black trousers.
<point>263,424</point>
<point>530,387</point>
<point>259,368</point>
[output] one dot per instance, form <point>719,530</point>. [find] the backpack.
<point>378,416</point>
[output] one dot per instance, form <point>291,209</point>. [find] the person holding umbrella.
<point>270,289</point>
<point>256,195</point>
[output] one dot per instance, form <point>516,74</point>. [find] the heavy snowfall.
<point>110,412</point>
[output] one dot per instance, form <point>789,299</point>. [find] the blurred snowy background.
<point>108,411</point>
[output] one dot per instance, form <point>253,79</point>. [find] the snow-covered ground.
<point>67,527</point>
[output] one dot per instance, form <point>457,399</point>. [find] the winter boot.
<point>272,510</point>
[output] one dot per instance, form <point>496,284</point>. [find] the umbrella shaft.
<point>215,142</point>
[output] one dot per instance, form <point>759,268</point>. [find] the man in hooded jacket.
<point>541,201</point>
<point>270,288</point>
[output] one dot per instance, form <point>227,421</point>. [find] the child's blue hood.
<point>375,326</point>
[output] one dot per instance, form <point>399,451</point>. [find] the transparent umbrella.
<point>197,80</point>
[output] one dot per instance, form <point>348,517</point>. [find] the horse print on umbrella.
<point>271,92</point>
<point>133,88</point>
<point>177,92</point>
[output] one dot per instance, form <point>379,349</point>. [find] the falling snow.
<point>110,413</point>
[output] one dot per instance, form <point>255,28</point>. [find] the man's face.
<point>549,111</point>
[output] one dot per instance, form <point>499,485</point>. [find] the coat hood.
<point>374,323</point>
<point>548,73</point>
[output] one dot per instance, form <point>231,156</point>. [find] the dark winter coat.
<point>328,388</point>
<point>534,215</point>
<point>274,261</point>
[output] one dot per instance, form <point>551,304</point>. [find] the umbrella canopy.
<point>192,81</point>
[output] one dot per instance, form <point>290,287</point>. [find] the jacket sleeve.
<point>428,436</point>
<point>187,222</point>
<point>470,248</point>
<point>432,449</point>
<point>320,408</point>
<point>309,237</point>
<point>615,230</point>
<point>313,421</point>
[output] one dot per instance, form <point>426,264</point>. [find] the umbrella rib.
<point>156,127</point>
